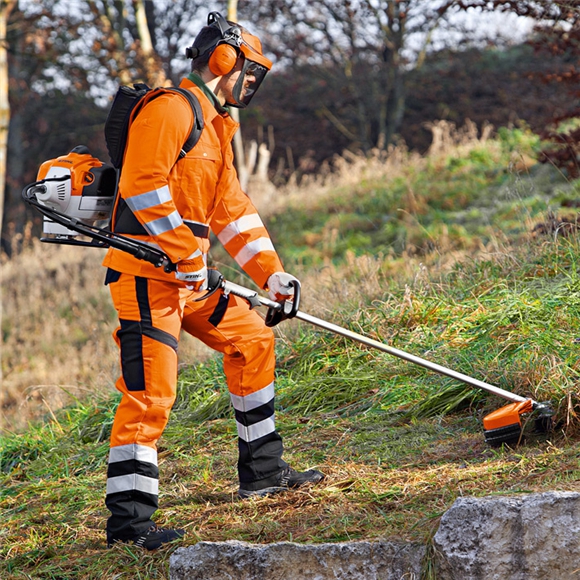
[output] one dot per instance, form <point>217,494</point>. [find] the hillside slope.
<point>468,258</point>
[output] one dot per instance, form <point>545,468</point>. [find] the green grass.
<point>453,274</point>
<point>387,477</point>
<point>464,198</point>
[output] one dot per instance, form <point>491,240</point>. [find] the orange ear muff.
<point>223,59</point>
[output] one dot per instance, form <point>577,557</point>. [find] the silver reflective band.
<point>253,248</point>
<point>244,224</point>
<point>131,482</point>
<point>194,255</point>
<point>253,400</point>
<point>133,451</point>
<point>164,224</point>
<point>253,432</point>
<point>149,199</point>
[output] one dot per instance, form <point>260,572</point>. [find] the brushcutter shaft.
<point>253,297</point>
<point>409,357</point>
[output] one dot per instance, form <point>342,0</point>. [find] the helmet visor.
<point>248,83</point>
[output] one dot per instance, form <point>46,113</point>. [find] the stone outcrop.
<point>289,561</point>
<point>528,537</point>
<point>524,537</point>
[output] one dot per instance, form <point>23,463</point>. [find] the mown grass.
<point>386,477</point>
<point>495,297</point>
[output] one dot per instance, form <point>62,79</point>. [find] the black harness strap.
<point>125,221</point>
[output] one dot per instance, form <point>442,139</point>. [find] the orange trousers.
<point>152,314</point>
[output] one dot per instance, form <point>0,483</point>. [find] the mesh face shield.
<point>255,67</point>
<point>247,47</point>
<point>248,83</point>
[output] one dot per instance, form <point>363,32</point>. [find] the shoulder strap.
<point>125,220</point>
<point>197,121</point>
<point>193,101</point>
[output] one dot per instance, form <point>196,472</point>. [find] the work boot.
<point>288,478</point>
<point>152,539</point>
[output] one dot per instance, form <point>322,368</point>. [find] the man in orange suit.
<point>173,202</point>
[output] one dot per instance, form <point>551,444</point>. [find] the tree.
<point>238,144</point>
<point>6,7</point>
<point>488,85</point>
<point>360,50</point>
<point>62,57</point>
<point>556,33</point>
<point>35,36</point>
<point>561,38</point>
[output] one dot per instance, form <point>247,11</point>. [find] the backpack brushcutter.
<point>75,191</point>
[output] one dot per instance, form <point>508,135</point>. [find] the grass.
<point>452,202</point>
<point>480,277</point>
<point>386,477</point>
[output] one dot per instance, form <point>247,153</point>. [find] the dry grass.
<point>350,169</point>
<point>384,481</point>
<point>389,475</point>
<point>57,316</point>
<point>56,329</point>
<point>347,171</point>
<point>57,322</point>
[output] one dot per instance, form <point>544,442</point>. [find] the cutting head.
<point>505,424</point>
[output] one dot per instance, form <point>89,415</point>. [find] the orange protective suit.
<point>177,203</point>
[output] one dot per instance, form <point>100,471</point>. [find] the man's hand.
<point>280,287</point>
<point>193,273</point>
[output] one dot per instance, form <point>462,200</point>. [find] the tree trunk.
<point>238,144</point>
<point>395,107</point>
<point>5,9</point>
<point>154,70</point>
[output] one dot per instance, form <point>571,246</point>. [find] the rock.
<point>531,537</point>
<point>235,560</point>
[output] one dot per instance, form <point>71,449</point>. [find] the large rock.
<point>533,537</point>
<point>342,561</point>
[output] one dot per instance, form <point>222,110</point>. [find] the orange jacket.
<point>202,188</point>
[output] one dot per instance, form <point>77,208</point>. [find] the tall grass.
<point>57,325</point>
<point>467,257</point>
<point>389,230</point>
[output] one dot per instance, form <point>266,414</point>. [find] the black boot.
<point>152,539</point>
<point>288,478</point>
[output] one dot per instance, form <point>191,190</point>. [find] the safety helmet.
<point>230,43</point>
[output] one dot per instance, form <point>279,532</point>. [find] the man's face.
<point>226,85</point>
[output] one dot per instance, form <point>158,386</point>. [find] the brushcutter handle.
<point>277,311</point>
<point>215,281</point>
<point>251,296</point>
<point>285,309</point>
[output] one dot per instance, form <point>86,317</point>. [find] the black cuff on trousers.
<point>260,461</point>
<point>131,513</point>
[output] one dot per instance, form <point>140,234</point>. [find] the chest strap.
<point>199,230</point>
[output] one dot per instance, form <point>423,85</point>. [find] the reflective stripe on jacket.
<point>164,194</point>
